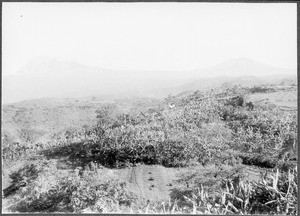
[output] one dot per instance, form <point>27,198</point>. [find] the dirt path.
<point>153,183</point>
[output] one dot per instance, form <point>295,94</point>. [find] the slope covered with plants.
<point>211,136</point>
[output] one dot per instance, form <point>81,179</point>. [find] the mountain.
<point>206,84</point>
<point>240,71</point>
<point>242,67</point>
<point>60,78</point>
<point>50,77</point>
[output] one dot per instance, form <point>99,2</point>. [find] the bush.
<point>276,194</point>
<point>260,135</point>
<point>58,191</point>
<point>199,128</point>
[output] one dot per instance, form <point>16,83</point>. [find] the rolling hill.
<point>48,77</point>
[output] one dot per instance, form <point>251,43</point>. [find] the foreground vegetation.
<point>212,135</point>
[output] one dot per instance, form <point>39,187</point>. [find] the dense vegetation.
<point>215,131</point>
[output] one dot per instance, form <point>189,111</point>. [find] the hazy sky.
<point>149,36</point>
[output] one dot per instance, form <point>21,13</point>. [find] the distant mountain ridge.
<point>224,82</point>
<point>50,77</point>
<point>243,67</point>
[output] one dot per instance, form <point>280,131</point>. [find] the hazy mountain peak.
<point>247,67</point>
<point>240,62</point>
<point>49,65</point>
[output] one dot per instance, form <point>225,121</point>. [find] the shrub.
<point>276,194</point>
<point>58,191</point>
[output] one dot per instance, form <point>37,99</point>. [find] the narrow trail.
<point>152,182</point>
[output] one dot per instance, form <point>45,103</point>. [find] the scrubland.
<point>202,152</point>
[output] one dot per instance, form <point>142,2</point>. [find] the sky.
<point>149,36</point>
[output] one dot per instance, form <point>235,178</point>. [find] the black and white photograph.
<point>149,108</point>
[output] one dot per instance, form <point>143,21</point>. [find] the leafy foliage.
<point>276,194</point>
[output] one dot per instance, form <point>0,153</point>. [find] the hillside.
<point>225,82</point>
<point>209,145</point>
<point>52,115</point>
<point>50,77</point>
<point>200,152</point>
<point>42,118</point>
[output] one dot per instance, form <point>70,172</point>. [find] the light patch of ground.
<point>152,182</point>
<point>283,99</point>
